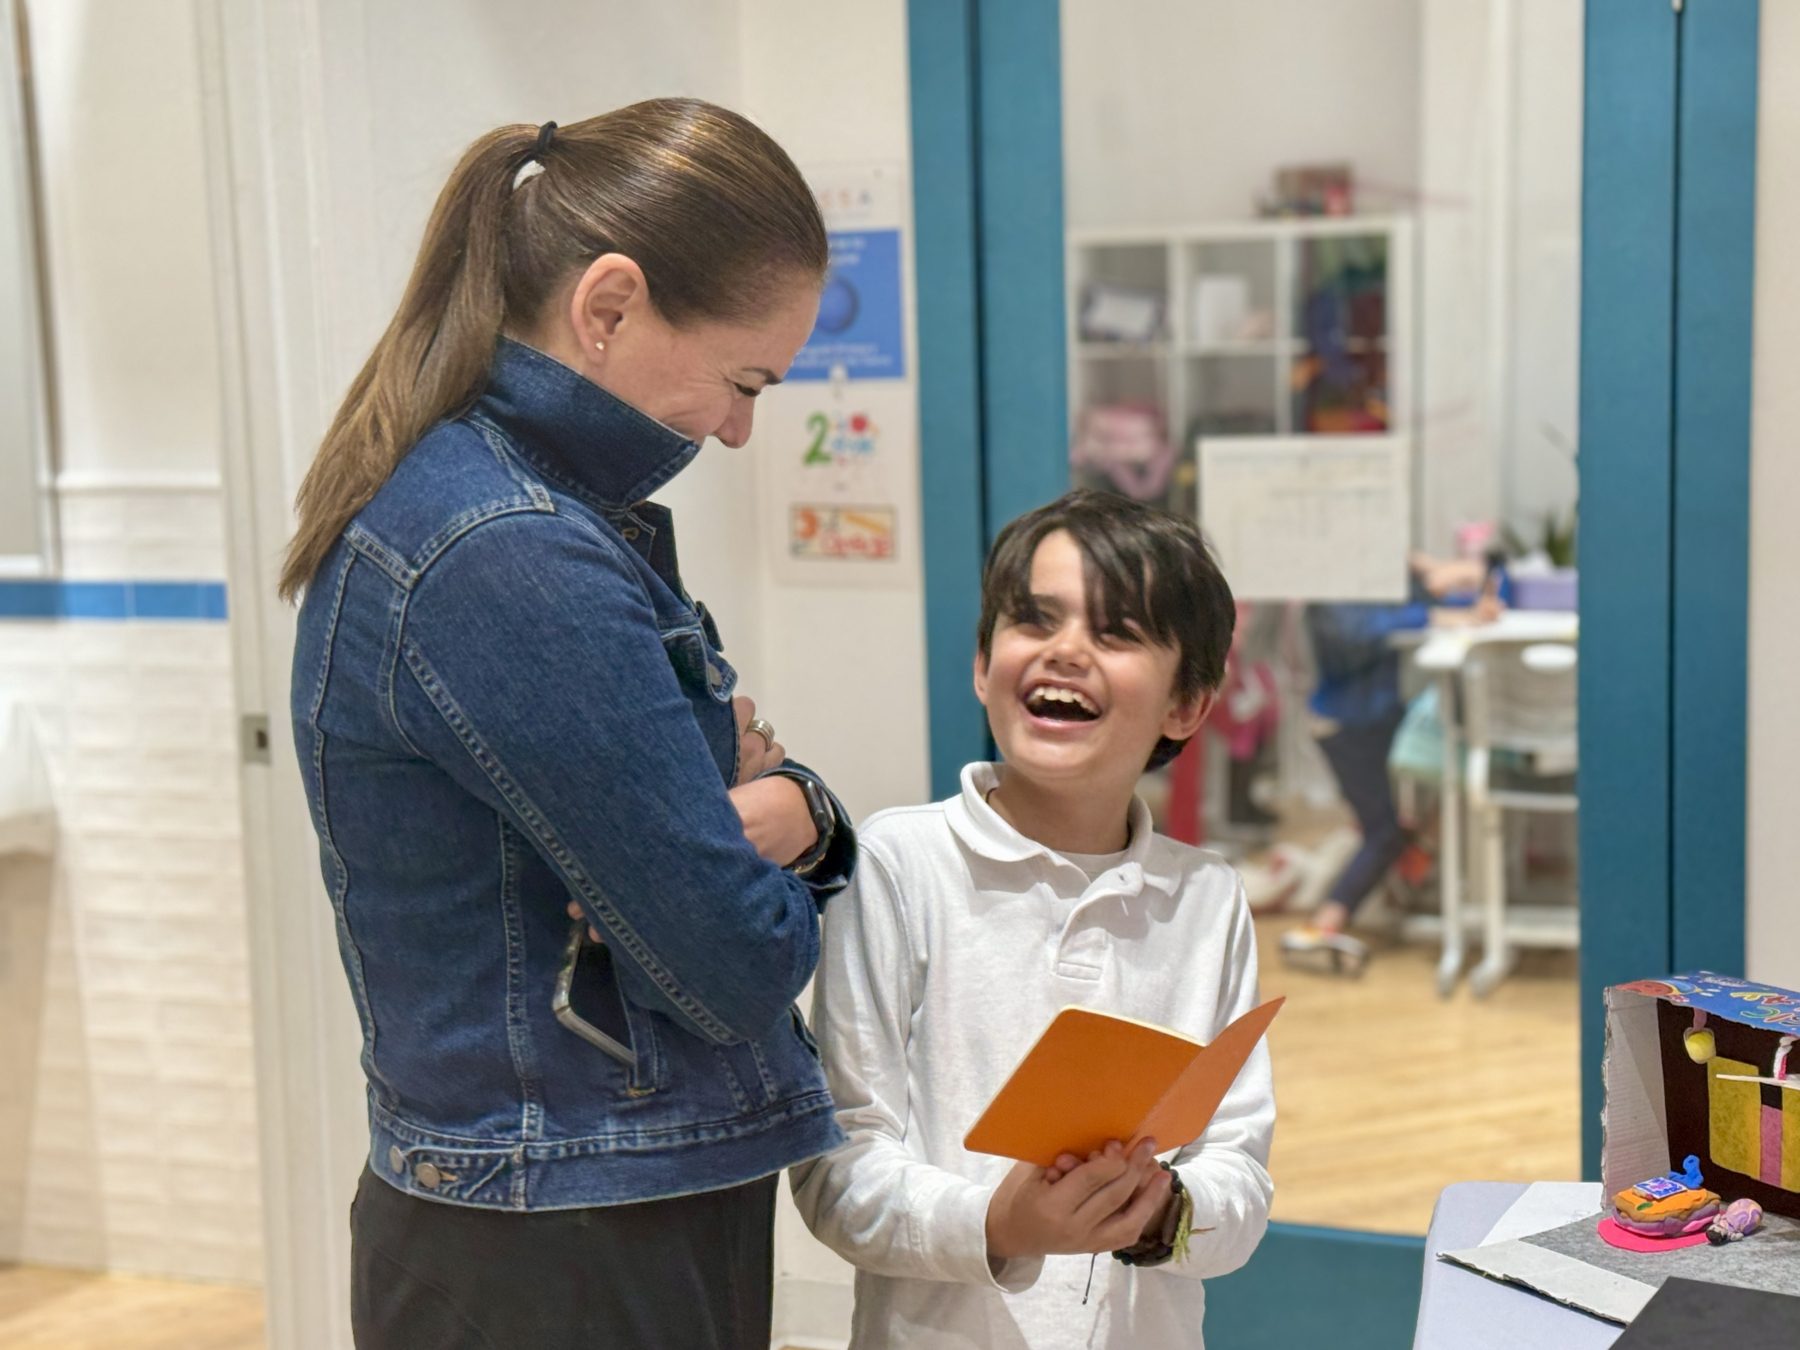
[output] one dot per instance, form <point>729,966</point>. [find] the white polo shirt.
<point>957,944</point>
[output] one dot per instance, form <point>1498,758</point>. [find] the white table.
<point>1460,1310</point>
<point>1441,653</point>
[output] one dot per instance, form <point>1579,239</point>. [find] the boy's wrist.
<point>1158,1220</point>
<point>1001,1242</point>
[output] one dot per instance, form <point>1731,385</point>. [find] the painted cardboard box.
<point>1704,1065</point>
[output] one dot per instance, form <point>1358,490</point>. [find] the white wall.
<point>1459,406</point>
<point>1538,474</point>
<point>130,268</point>
<point>22,439</point>
<point>1773,916</point>
<point>843,670</point>
<point>1178,111</point>
<point>1499,205</point>
<point>132,1139</point>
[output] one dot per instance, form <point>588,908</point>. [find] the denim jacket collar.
<point>573,431</point>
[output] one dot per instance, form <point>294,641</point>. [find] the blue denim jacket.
<point>503,698</point>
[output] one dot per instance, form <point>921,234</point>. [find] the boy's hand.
<point>1099,1205</point>
<point>1068,1162</point>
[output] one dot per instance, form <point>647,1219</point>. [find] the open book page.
<point>1182,1114</point>
<point>1094,1077</point>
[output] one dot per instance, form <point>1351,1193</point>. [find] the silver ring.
<point>761,727</point>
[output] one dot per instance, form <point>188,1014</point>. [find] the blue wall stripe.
<point>1715,285</point>
<point>1024,358</point>
<point>194,601</point>
<point>941,35</point>
<point>1627,359</point>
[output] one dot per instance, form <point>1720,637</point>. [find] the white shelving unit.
<point>1250,374</point>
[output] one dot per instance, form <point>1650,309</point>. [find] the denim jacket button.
<point>396,1159</point>
<point>714,676</point>
<point>427,1175</point>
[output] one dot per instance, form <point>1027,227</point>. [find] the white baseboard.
<point>811,1314</point>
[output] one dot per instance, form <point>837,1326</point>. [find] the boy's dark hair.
<point>1145,568</point>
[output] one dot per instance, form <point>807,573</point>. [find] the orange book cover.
<point>1094,1076</point>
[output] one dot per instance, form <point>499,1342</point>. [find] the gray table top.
<point>1460,1310</point>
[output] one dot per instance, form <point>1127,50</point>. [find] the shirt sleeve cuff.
<point>961,1226</point>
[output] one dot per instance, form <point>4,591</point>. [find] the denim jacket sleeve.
<point>835,869</point>
<point>531,669</point>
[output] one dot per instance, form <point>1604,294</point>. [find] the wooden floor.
<point>1386,1094</point>
<point>69,1310</point>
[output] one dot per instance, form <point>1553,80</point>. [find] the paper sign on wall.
<point>860,331</point>
<point>837,442</point>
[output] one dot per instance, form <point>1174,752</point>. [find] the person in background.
<point>1357,709</point>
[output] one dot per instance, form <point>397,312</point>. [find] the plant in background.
<point>1557,530</point>
<point>1555,540</point>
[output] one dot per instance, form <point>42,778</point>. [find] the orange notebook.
<point>1094,1077</point>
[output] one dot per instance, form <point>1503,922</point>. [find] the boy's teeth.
<point>1051,694</point>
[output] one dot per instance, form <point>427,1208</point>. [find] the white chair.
<point>1520,729</point>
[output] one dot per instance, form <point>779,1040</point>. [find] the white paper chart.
<point>1309,517</point>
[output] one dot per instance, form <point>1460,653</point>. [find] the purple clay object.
<point>1740,1219</point>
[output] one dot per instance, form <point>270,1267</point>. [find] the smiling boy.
<point>972,921</point>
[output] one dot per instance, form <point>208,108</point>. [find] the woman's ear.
<point>608,295</point>
<point>981,677</point>
<point>1186,714</point>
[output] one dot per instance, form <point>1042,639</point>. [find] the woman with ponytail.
<point>576,880</point>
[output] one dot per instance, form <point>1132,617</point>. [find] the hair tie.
<point>533,164</point>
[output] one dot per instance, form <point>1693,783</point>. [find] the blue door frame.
<point>1667,238</point>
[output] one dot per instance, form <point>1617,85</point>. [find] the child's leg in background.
<point>1358,756</point>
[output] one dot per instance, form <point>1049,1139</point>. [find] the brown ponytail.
<point>711,209</point>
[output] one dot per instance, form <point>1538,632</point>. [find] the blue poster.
<point>860,326</point>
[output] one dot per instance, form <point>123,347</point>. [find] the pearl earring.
<point>600,346</point>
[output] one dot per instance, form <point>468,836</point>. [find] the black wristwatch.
<point>824,819</point>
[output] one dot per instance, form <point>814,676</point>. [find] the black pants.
<point>695,1273</point>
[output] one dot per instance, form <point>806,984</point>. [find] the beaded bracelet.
<point>1171,1242</point>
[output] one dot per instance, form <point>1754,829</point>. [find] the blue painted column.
<point>1715,287</point>
<point>1627,508</point>
<point>941,34</point>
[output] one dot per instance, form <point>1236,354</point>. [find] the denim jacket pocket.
<point>747,1074</point>
<point>601,999</point>
<point>699,664</point>
<point>651,1072</point>
<point>709,626</point>
<point>803,1031</point>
